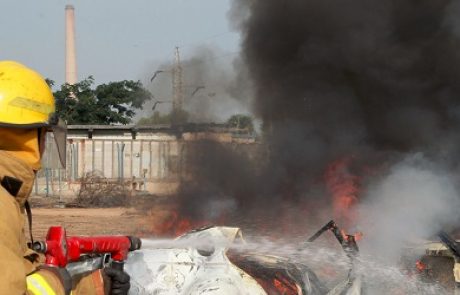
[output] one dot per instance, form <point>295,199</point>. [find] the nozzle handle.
<point>136,243</point>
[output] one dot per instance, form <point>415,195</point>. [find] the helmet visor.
<point>59,129</point>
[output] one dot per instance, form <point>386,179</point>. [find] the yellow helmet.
<point>25,97</point>
<point>26,101</point>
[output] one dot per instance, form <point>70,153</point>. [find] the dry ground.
<point>97,221</point>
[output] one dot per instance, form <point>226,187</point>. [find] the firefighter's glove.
<point>119,281</point>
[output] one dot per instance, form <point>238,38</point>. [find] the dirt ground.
<point>98,221</point>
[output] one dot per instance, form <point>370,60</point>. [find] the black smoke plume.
<point>374,80</point>
<point>356,77</point>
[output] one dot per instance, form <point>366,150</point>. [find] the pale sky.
<point>116,39</point>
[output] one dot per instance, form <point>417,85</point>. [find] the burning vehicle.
<point>199,262</point>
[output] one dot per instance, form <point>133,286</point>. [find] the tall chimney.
<point>70,55</point>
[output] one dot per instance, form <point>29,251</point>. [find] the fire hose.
<point>82,254</point>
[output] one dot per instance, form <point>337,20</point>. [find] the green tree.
<point>241,121</point>
<point>111,103</point>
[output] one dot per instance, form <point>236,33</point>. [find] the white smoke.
<point>415,200</point>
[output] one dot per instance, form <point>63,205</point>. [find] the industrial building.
<point>146,159</point>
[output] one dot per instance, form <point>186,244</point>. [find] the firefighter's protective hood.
<point>23,144</point>
<point>27,103</point>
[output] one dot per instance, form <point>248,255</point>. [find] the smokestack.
<point>70,55</point>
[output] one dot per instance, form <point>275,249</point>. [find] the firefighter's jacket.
<point>20,271</point>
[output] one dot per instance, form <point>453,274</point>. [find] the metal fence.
<point>141,161</point>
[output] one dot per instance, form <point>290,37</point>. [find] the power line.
<point>223,56</point>
<point>197,43</point>
<point>227,55</point>
<point>200,42</point>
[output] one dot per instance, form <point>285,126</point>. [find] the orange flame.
<point>284,287</point>
<point>420,266</point>
<point>173,225</point>
<point>344,188</point>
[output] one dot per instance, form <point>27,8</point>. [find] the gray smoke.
<point>414,200</point>
<point>215,85</point>
<point>224,92</point>
<point>373,80</point>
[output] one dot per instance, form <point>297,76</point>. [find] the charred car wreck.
<point>199,263</point>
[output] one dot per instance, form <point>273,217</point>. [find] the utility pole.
<point>178,86</point>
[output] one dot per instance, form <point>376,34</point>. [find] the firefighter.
<point>27,112</point>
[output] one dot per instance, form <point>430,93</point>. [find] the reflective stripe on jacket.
<point>37,284</point>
